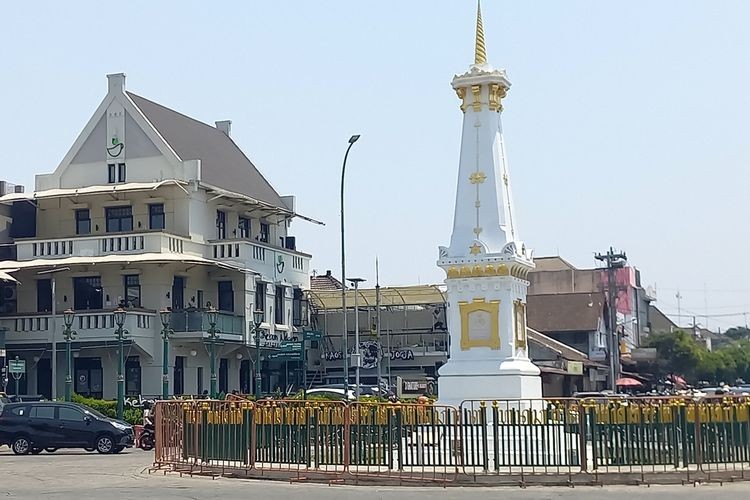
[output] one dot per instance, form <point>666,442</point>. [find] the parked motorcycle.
<point>147,440</point>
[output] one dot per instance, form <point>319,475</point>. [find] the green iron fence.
<point>561,436</point>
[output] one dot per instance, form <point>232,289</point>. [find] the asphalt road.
<point>82,476</point>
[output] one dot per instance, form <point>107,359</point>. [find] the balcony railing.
<point>196,321</point>
<point>262,257</point>
<point>107,244</point>
<point>89,324</point>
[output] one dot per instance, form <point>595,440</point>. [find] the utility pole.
<point>679,307</point>
<point>613,261</point>
<point>377,327</point>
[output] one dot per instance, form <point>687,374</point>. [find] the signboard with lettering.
<point>313,335</point>
<point>370,351</point>
<point>291,345</point>
<point>575,367</point>
<point>17,366</point>
<point>286,356</point>
<point>412,388</point>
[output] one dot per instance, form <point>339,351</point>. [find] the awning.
<point>389,296</point>
<point>89,190</point>
<point>4,276</point>
<point>7,266</point>
<point>242,198</point>
<point>628,382</point>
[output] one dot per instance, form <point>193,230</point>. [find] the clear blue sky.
<point>626,124</point>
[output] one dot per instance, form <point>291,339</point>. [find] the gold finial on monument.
<point>480,53</point>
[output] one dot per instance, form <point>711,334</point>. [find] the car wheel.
<point>90,449</point>
<point>21,446</point>
<point>36,451</point>
<point>50,450</point>
<point>117,449</point>
<point>104,444</point>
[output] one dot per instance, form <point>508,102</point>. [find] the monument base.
<point>513,378</point>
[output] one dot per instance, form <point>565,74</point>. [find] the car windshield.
<point>93,412</point>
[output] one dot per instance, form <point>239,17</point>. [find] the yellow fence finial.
<point>480,53</point>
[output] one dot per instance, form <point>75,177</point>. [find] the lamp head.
<point>119,316</point>
<point>212,315</point>
<point>68,316</point>
<point>258,318</point>
<point>353,139</point>
<point>166,317</point>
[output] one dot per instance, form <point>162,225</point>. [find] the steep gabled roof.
<point>223,164</point>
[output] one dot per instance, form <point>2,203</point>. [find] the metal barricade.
<point>520,440</point>
<point>407,442</point>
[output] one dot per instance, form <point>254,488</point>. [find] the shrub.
<point>133,416</point>
<point>106,408</point>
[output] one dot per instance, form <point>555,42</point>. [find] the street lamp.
<point>68,334</point>
<point>357,355</point>
<point>120,333</point>
<point>166,332</point>
<point>352,140</point>
<point>258,320</point>
<point>213,336</point>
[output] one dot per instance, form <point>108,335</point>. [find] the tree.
<point>738,333</point>
<point>677,352</point>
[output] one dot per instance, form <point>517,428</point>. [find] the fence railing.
<point>514,438</point>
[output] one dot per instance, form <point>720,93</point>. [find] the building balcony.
<point>107,244</point>
<point>263,258</point>
<point>92,326</point>
<point>194,322</point>
<point>272,262</point>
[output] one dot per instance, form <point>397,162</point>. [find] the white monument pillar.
<point>486,263</point>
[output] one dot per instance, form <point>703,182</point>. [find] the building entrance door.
<point>178,293</point>
<point>44,378</point>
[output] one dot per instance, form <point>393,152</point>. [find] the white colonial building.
<point>149,209</point>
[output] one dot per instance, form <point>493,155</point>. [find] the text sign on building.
<point>17,366</point>
<point>291,346</point>
<point>286,356</point>
<point>313,335</point>
<point>575,367</point>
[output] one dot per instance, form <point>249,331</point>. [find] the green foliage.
<point>679,353</point>
<point>106,408</point>
<point>738,333</point>
<point>133,416</point>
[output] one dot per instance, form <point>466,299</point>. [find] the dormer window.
<point>116,173</point>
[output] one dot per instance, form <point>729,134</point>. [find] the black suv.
<point>33,427</point>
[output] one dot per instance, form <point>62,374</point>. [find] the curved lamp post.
<point>212,315</point>
<point>345,333</point>
<point>68,335</point>
<point>120,333</point>
<point>257,320</point>
<point>166,318</point>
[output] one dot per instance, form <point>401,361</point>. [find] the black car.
<point>33,427</point>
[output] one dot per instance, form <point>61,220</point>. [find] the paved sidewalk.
<point>87,476</point>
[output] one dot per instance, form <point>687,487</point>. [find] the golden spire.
<point>480,54</point>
